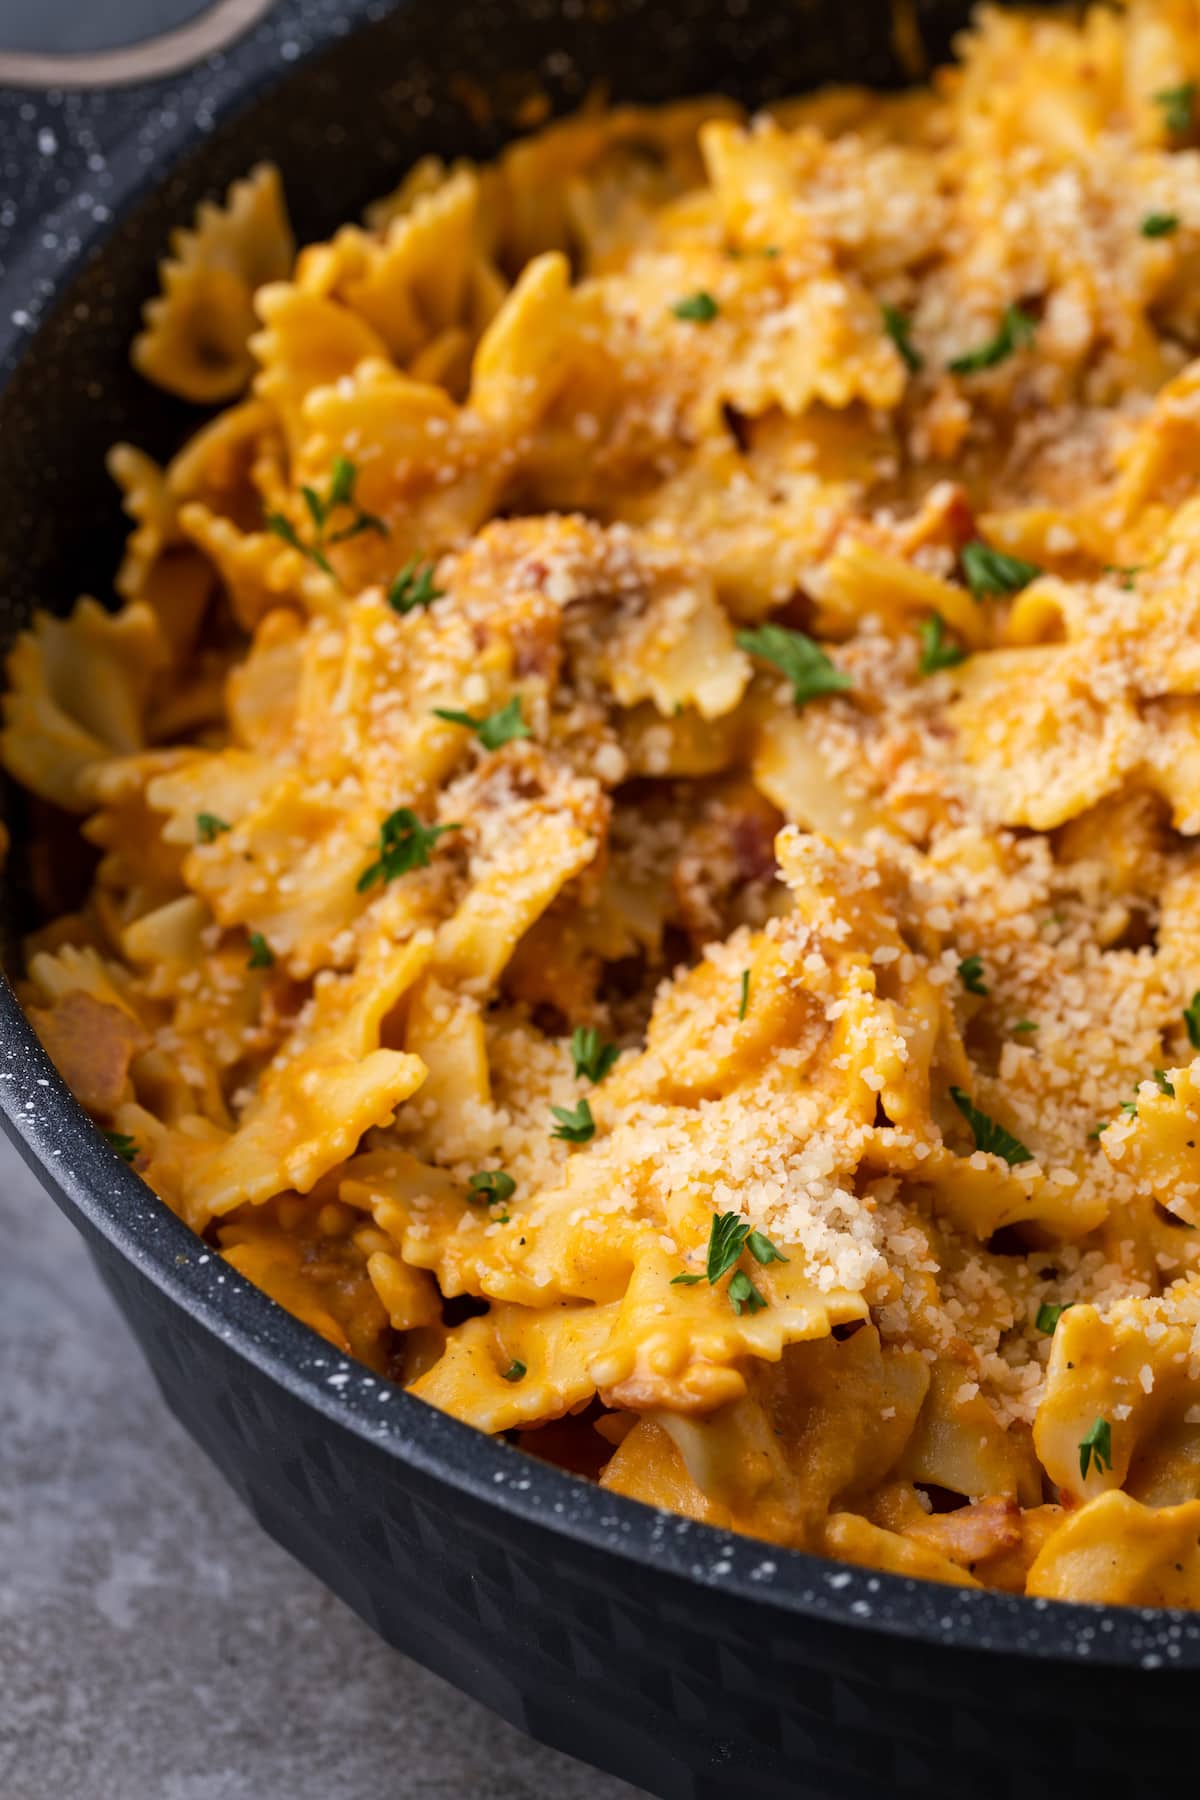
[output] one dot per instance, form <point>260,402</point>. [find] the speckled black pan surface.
<point>691,1662</point>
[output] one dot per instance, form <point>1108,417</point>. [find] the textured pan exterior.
<point>692,1663</point>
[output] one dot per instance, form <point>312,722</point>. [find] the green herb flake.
<point>1014,332</point>
<point>261,954</point>
<point>1130,1107</point>
<point>1178,106</point>
<point>1025,1025</point>
<point>745,999</point>
<point>576,1125</point>
<point>209,828</point>
<point>502,727</point>
<point>282,527</point>
<point>743,1295</point>
<point>990,571</point>
<point>763,1250</point>
<point>1164,1083</point>
<point>404,844</point>
<point>805,664</point>
<point>516,1371</point>
<point>1049,1313</point>
<point>726,1237</point>
<point>592,1057</point>
<point>1160,225</point>
<point>339,496</point>
<point>700,308</point>
<point>414,586</point>
<point>685,1280</point>
<point>970,973</point>
<point>342,478</point>
<point>491,1185</point>
<point>1096,1448</point>
<point>937,650</point>
<point>1099,1130</point>
<point>989,1137</point>
<point>899,328</point>
<point>125,1147</point>
<point>1191,1018</point>
<point>1126,572</point>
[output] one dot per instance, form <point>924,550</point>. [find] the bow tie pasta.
<point>639,800</point>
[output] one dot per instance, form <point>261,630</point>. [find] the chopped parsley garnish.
<point>125,1147</point>
<point>1126,571</point>
<point>743,1294</point>
<point>404,844</point>
<point>414,586</point>
<point>685,1280</point>
<point>805,664</point>
<point>261,954</point>
<point>1156,225</point>
<point>726,1237</point>
<point>575,1126</point>
<point>745,999</point>
<point>1096,1448</point>
<point>899,328</point>
<point>1191,1018</point>
<point>700,308</point>
<point>209,827</point>
<point>763,1250</point>
<point>990,1137</point>
<point>1026,1025</point>
<point>592,1057</point>
<point>496,728</point>
<point>937,650</point>
<point>339,496</point>
<point>1049,1313</point>
<point>990,571</point>
<point>1178,106</point>
<point>282,527</point>
<point>1130,1107</point>
<point>491,1185</point>
<point>1015,331</point>
<point>514,1372</point>
<point>1164,1083</point>
<point>970,973</point>
<point>1098,1130</point>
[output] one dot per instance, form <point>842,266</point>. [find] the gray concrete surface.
<point>154,1644</point>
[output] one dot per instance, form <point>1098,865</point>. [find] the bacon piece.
<point>973,1534</point>
<point>91,1045</point>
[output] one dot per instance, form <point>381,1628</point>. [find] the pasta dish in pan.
<point>642,800</point>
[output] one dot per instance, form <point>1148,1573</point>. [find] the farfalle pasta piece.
<point>517,1365</point>
<point>691,1358</point>
<point>260,571</point>
<point>852,1539</point>
<point>314,1257</point>
<point>420,280</point>
<point>1118,1391</point>
<point>306,342</point>
<point>1042,739</point>
<point>431,473</point>
<point>195,342</point>
<point>77,695</point>
<point>1156,1145</point>
<point>1114,1551</point>
<point>775,1460</point>
<point>332,1082</point>
<point>533,829</point>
